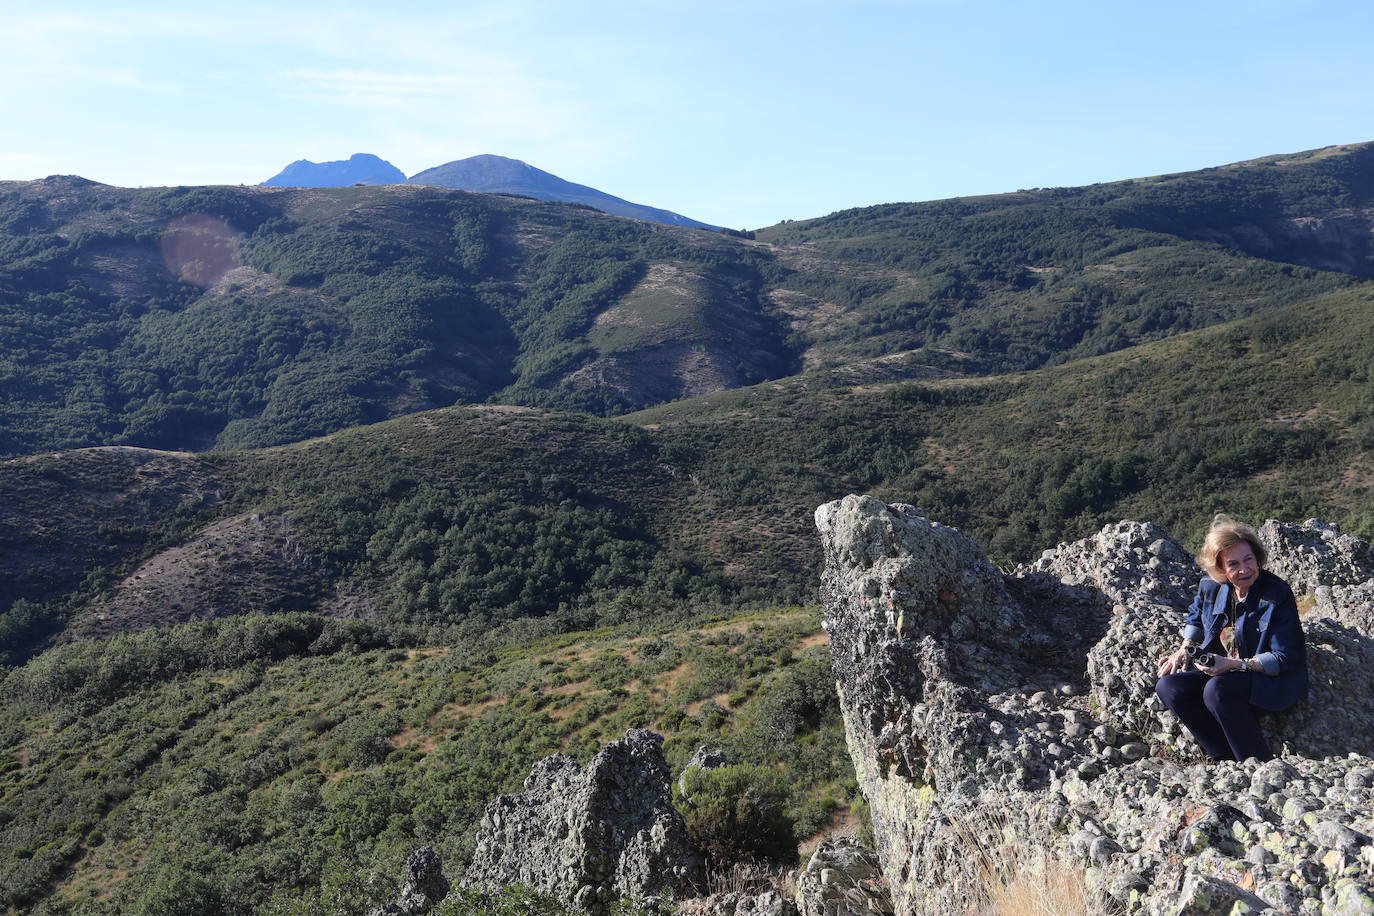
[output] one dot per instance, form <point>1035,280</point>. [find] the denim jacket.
<point>1267,629</point>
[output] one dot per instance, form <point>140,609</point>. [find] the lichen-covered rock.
<point>424,889</point>
<point>763,903</point>
<point>842,879</point>
<point>705,758</point>
<point>989,713</point>
<point>590,836</point>
<point>1315,554</point>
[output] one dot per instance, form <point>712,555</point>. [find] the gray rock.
<point>425,886</point>
<point>947,674</point>
<point>705,758</point>
<point>1203,895</point>
<point>590,836</point>
<point>842,879</point>
<point>1338,836</point>
<point>1353,898</point>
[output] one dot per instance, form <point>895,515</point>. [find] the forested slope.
<point>198,318</point>
<point>479,515</point>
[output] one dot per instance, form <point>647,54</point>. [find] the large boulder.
<point>992,716</point>
<point>592,835</point>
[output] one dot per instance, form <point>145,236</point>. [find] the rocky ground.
<point>989,716</point>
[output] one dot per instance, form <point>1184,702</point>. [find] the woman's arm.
<point>1192,627</point>
<point>1192,634</point>
<point>1287,648</point>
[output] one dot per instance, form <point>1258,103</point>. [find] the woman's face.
<point>1239,566</point>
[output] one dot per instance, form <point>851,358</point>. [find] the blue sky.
<point>737,113</point>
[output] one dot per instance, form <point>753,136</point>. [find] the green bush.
<point>738,814</point>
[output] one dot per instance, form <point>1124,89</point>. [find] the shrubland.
<point>290,763</point>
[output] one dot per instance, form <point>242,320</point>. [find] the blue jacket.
<point>1267,628</point>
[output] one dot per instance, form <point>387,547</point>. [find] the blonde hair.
<point>1226,533</point>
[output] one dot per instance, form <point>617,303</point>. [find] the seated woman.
<point>1245,618</point>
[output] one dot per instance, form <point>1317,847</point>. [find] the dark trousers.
<point>1217,711</point>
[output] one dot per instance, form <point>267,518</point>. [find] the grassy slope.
<point>1270,415</point>
<point>308,779</point>
<point>342,306</point>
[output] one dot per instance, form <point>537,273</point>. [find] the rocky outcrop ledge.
<point>993,719</point>
<point>591,836</point>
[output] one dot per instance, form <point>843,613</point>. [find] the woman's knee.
<point>1172,688</point>
<point>1227,692</point>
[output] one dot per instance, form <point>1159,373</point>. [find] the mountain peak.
<point>501,175</point>
<point>360,168</point>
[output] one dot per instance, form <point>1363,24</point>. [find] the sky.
<point>740,113</point>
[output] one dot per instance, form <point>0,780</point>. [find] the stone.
<point>1338,836</point>
<point>1134,750</point>
<point>590,836</point>
<point>1204,895</point>
<point>1353,898</point>
<point>705,758</point>
<point>842,878</point>
<point>425,886</point>
<point>947,645</point>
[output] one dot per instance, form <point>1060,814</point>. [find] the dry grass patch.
<point>1049,888</point>
<point>420,739</point>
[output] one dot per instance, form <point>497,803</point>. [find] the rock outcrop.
<point>424,889</point>
<point>591,836</point>
<point>842,879</point>
<point>990,716</point>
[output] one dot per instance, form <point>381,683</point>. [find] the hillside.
<point>279,600</point>
<point>1052,274</point>
<point>198,318</point>
<point>480,515</point>
<point>232,317</point>
<point>290,765</point>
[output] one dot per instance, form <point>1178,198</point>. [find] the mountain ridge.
<point>484,173</point>
<point>360,168</point>
<point>500,174</point>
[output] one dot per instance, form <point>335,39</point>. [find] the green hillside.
<point>475,516</point>
<point>280,600</point>
<point>1052,274</point>
<point>289,765</point>
<point>226,318</point>
<point>230,317</point>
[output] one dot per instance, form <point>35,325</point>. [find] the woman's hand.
<point>1222,665</point>
<point>1173,662</point>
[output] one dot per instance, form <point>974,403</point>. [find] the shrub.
<point>737,814</point>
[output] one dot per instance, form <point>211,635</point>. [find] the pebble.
<point>1134,750</point>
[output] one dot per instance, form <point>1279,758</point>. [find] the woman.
<point>1245,617</point>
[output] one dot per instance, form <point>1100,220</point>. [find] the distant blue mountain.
<point>497,174</point>
<point>360,168</point>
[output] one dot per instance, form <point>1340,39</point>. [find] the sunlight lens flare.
<point>200,248</point>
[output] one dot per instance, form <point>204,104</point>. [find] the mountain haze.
<point>498,174</point>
